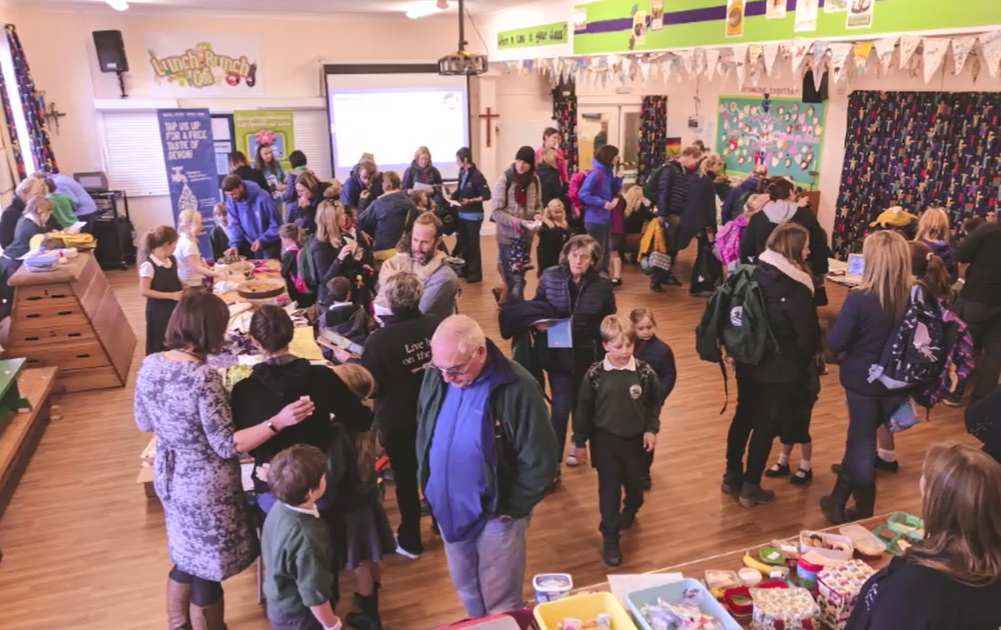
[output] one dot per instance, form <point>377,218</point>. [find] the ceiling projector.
<point>463,64</point>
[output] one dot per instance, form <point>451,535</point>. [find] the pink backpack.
<point>576,181</point>
<point>728,240</point>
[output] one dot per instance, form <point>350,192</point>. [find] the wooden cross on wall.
<point>490,125</point>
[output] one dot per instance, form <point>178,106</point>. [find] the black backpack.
<point>652,185</point>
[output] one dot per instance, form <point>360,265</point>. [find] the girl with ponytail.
<point>930,270</point>
<point>159,283</point>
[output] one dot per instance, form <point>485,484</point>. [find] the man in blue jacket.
<point>253,220</point>
<point>486,456</point>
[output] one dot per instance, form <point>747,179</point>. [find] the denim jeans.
<point>865,414</point>
<point>603,234</point>
<point>489,571</point>
<point>515,282</point>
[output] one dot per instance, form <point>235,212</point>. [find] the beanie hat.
<point>526,154</point>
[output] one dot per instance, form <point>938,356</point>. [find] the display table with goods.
<point>251,285</point>
<point>809,582</point>
<point>65,315</point>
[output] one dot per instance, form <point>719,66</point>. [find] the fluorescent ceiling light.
<point>118,5</point>
<point>426,8</point>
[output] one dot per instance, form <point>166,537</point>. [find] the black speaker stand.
<point>121,83</point>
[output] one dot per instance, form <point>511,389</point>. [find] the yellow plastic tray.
<point>585,608</point>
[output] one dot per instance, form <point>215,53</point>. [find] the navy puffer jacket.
<point>595,300</point>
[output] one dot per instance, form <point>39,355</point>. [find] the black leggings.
<point>204,593</point>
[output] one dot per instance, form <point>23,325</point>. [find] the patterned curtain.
<point>565,113</point>
<point>653,135</point>
<point>12,130</point>
<point>34,110</point>
<point>917,149</point>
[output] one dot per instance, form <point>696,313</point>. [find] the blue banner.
<point>191,169</point>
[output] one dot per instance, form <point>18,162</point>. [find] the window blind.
<point>134,153</point>
<point>312,137</point>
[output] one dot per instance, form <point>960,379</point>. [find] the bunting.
<point>862,50</point>
<point>770,53</point>
<point>908,44</point>
<point>990,44</point>
<point>961,49</point>
<point>839,57</point>
<point>884,51</point>
<point>712,60</point>
<point>740,61</point>
<point>934,53</point>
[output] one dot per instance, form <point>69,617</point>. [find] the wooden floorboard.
<point>84,549</point>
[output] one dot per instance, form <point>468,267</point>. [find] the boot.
<point>367,618</point>
<point>732,482</point>
<point>833,505</point>
<point>865,503</point>
<point>611,553</point>
<point>751,495</point>
<point>208,617</point>
<point>178,603</point>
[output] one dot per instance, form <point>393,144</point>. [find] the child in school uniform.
<point>368,535</point>
<point>341,308</point>
<point>159,283</point>
<point>191,267</point>
<point>553,235</point>
<point>618,412</point>
<point>292,237</point>
<point>651,350</point>
<point>298,553</point>
<point>219,238</point>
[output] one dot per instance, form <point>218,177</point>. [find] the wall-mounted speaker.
<point>810,92</point>
<point>110,51</point>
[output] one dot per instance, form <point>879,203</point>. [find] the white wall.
<point>527,96</point>
<point>61,55</point>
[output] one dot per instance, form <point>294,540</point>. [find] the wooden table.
<point>733,560</point>
<point>21,435</point>
<point>69,318</point>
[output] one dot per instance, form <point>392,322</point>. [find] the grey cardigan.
<point>506,213</point>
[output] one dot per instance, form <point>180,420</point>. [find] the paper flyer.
<point>860,14</point>
<point>639,28</point>
<point>806,15</point>
<point>835,6</point>
<point>775,9</point>
<point>734,18</point>
<point>657,15</point>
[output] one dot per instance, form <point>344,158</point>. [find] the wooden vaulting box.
<point>69,318</point>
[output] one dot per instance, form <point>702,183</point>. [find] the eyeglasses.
<point>456,371</point>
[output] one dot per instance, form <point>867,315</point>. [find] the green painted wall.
<point>891,16</point>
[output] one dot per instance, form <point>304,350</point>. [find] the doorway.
<point>619,125</point>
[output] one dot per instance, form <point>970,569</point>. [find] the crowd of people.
<point>469,429</point>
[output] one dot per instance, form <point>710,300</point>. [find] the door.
<point>619,125</point>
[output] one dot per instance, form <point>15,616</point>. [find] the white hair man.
<point>486,456</point>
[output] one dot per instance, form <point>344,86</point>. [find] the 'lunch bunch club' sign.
<point>194,64</point>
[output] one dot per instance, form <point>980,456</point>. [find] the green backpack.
<point>735,320</point>
<point>307,268</point>
<point>652,185</point>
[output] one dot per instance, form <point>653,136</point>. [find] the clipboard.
<point>560,334</point>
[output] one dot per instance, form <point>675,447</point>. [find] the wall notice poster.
<point>204,64</point>
<point>190,158</point>
<point>785,135</point>
<point>734,18</point>
<point>860,13</point>
<point>775,9</point>
<point>271,127</point>
<point>835,6</point>
<point>806,15</point>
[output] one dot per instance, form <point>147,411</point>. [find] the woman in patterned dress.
<point>210,527</point>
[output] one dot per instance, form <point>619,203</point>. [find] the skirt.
<point>367,535</point>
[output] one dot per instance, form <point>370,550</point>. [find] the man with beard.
<point>424,260</point>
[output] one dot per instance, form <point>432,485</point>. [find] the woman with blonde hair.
<point>952,577</point>
<point>933,231</point>
<point>765,390</point>
<point>421,171</point>
<point>698,221</point>
<point>336,251</point>
<point>868,318</point>
<point>28,189</point>
<point>191,267</point>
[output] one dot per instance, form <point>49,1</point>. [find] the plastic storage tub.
<point>550,587</point>
<point>672,593</point>
<point>585,608</point>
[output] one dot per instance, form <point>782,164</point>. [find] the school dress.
<point>158,311</point>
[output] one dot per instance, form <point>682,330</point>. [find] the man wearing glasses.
<point>486,455</point>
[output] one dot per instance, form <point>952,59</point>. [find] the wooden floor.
<point>84,549</point>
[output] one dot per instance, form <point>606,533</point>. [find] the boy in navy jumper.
<point>650,349</point>
<point>618,411</point>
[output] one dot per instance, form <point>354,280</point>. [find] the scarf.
<point>521,183</point>
<point>422,173</point>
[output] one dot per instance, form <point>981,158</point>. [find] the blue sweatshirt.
<point>84,203</point>
<point>596,191</point>
<point>253,219</point>
<point>457,489</point>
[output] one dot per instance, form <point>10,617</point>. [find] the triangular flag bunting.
<point>884,51</point>
<point>644,70</point>
<point>935,49</point>
<point>665,69</point>
<point>770,53</point>
<point>839,57</point>
<point>754,53</point>
<point>961,49</point>
<point>820,48</point>
<point>678,67</point>
<point>800,49</point>
<point>862,51</point>
<point>908,44</point>
<point>712,60</point>
<point>687,61</point>
<point>990,44</point>
<point>740,62</point>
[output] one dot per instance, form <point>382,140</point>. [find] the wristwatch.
<point>271,425</point>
